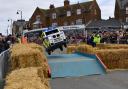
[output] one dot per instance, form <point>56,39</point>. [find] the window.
<point>79,21</point>
<point>68,13</point>
<point>54,16</point>
<point>126,19</point>
<point>51,32</point>
<point>54,24</point>
<point>126,10</point>
<point>65,23</point>
<point>38,18</point>
<point>78,11</point>
<point>37,23</point>
<point>95,12</point>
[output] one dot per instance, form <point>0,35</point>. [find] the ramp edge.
<point>96,57</point>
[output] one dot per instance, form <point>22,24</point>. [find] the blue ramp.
<point>74,65</point>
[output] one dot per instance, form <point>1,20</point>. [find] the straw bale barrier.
<point>35,46</point>
<point>86,49</point>
<point>23,56</point>
<point>30,45</point>
<point>27,78</point>
<point>27,58</point>
<point>114,58</point>
<point>71,49</point>
<point>112,46</point>
<point>80,48</point>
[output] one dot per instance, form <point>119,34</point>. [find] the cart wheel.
<point>61,48</point>
<point>49,52</point>
<point>65,45</point>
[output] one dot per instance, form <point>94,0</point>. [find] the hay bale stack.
<point>112,46</point>
<point>71,49</point>
<point>35,46</point>
<point>27,58</point>
<point>101,46</point>
<point>26,78</point>
<point>86,49</point>
<point>30,45</point>
<point>114,58</point>
<point>23,56</point>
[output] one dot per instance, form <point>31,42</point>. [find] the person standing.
<point>1,44</point>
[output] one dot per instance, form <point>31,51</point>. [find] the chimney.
<point>66,3</point>
<point>51,6</point>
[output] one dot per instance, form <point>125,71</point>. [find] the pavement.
<point>112,80</point>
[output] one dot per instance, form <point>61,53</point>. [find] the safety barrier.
<point>4,56</point>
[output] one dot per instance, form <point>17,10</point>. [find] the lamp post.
<point>11,21</point>
<point>7,30</point>
<point>19,12</point>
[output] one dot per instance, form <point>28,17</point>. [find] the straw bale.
<point>23,56</point>
<point>112,46</point>
<point>86,49</point>
<point>36,46</point>
<point>27,58</point>
<point>123,64</point>
<point>114,58</point>
<point>26,78</point>
<point>71,49</point>
<point>31,45</point>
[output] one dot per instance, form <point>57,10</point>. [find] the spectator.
<point>1,44</point>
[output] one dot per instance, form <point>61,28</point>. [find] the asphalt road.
<point>112,80</point>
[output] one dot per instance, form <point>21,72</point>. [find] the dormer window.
<point>126,10</point>
<point>68,13</point>
<point>78,11</point>
<point>54,16</point>
<point>37,23</point>
<point>38,18</point>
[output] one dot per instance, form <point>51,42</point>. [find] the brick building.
<point>121,11</point>
<point>69,14</point>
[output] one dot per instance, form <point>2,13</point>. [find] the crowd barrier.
<point>4,57</point>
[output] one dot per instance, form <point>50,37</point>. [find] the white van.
<point>55,38</point>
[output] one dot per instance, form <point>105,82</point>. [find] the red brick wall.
<point>119,14</point>
<point>86,17</point>
<point>42,17</point>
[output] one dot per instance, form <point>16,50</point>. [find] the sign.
<point>71,27</point>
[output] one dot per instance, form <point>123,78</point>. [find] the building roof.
<point>122,3</point>
<point>105,24</point>
<point>20,23</point>
<point>86,6</point>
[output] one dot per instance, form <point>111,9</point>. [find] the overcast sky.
<point>8,9</point>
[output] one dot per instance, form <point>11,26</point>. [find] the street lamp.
<point>11,22</point>
<point>19,12</point>
<point>7,30</point>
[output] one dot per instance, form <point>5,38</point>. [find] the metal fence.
<point>4,57</point>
